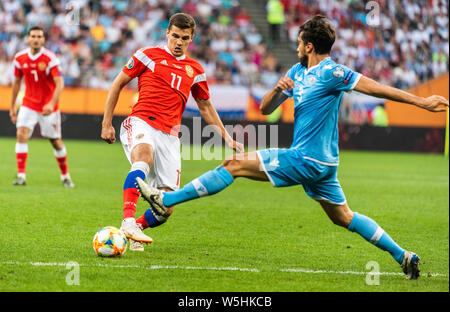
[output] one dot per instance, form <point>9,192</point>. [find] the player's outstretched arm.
<point>108,132</point>
<point>210,115</point>
<point>276,97</point>
<point>434,103</point>
<point>15,91</point>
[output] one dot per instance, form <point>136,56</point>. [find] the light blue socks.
<point>374,234</point>
<point>209,183</point>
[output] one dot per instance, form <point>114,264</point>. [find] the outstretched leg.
<point>241,165</point>
<point>366,227</point>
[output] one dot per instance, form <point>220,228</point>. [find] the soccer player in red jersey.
<point>41,71</point>
<point>166,77</point>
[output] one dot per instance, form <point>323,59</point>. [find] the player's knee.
<point>22,135</point>
<point>57,143</point>
<point>142,152</point>
<point>232,165</point>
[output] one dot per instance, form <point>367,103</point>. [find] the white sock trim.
<point>21,148</point>
<point>141,165</point>
<point>65,176</point>
<point>377,235</point>
<point>61,152</point>
<point>199,188</point>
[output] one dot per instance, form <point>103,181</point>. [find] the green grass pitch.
<point>250,237</point>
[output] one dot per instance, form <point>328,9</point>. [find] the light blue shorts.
<point>288,167</point>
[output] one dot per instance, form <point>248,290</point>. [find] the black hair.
<point>319,32</point>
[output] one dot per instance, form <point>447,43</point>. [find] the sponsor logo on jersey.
<point>338,72</point>
<point>189,71</point>
<point>130,63</point>
<point>25,65</point>
<point>42,66</point>
<point>164,62</point>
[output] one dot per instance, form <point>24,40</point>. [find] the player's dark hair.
<point>182,21</point>
<point>319,32</point>
<point>36,28</point>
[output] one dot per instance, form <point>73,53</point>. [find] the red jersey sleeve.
<point>137,64</point>
<point>200,88</point>
<point>17,69</point>
<point>55,71</point>
<point>54,68</point>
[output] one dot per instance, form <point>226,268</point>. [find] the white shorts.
<point>50,124</point>
<point>166,169</point>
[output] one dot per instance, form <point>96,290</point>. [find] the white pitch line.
<point>130,266</point>
<point>174,267</point>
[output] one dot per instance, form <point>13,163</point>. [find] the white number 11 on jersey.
<point>174,77</point>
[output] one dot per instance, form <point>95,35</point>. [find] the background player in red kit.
<point>150,133</point>
<point>41,71</point>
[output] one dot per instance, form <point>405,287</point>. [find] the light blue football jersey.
<point>317,95</point>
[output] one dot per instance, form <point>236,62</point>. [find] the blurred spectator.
<point>275,17</point>
<point>410,45</point>
<point>93,51</point>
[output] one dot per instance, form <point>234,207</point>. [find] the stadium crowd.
<point>407,42</point>
<point>94,39</point>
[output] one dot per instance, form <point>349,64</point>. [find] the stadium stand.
<point>409,46</point>
<point>94,45</point>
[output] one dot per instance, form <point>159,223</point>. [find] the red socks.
<point>21,157</point>
<point>130,192</point>
<point>130,198</point>
<point>141,220</point>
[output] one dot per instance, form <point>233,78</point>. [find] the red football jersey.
<point>38,71</point>
<point>164,83</point>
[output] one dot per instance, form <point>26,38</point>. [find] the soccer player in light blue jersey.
<point>317,84</point>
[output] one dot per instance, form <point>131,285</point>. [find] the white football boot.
<point>133,231</point>
<point>68,183</point>
<point>20,180</point>
<point>152,195</point>
<point>136,246</point>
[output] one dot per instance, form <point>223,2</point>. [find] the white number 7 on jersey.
<point>35,74</point>
<point>172,84</point>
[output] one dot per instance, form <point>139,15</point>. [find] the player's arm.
<point>108,132</point>
<point>15,91</point>
<point>276,97</point>
<point>210,115</point>
<point>48,108</point>
<point>434,103</point>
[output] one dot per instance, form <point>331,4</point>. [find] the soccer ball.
<point>110,242</point>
